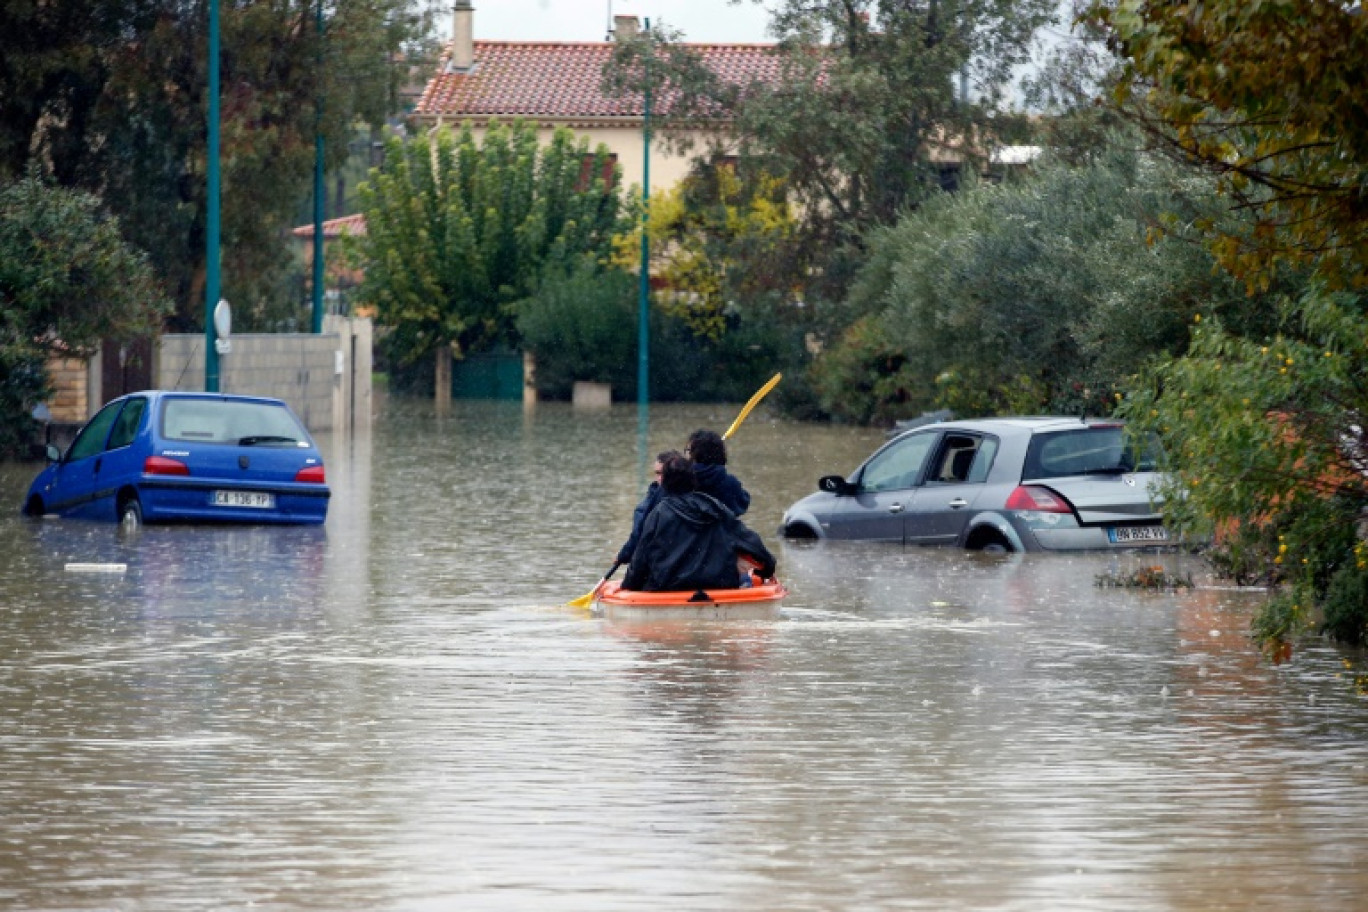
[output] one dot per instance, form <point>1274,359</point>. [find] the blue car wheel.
<point>130,513</point>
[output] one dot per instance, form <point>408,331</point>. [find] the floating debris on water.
<point>1155,577</point>
<point>78,567</point>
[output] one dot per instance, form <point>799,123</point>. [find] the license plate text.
<point>1122,534</point>
<point>258,499</point>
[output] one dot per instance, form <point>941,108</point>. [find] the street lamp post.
<point>318,188</point>
<point>212,280</point>
<point>643,308</point>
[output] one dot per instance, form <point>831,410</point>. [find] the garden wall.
<point>325,377</point>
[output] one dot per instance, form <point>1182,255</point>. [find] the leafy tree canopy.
<point>706,234</point>
<point>67,278</point>
<point>581,325</point>
<point>111,96</point>
<point>67,281</point>
<point>1046,295</point>
<point>1267,96</point>
<point>869,108</point>
<point>459,230</point>
<point>1266,429</point>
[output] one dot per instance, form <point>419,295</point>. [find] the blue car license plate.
<point>1125,535</point>
<point>257,499</point>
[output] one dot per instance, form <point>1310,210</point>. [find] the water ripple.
<point>398,712</point>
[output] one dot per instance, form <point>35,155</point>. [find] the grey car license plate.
<point>257,499</point>
<point>1122,535</point>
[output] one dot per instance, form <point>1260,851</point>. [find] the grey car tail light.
<point>1038,499</point>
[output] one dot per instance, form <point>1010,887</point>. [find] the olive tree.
<point>1043,295</point>
<point>68,281</point>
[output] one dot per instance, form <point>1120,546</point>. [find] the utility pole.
<point>212,280</point>
<point>318,187</point>
<point>643,309</point>
<point>644,305</point>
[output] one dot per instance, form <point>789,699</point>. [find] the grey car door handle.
<point>957,503</point>
<point>895,508</point>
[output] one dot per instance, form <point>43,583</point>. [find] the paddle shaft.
<point>754,401</point>
<point>603,582</point>
<point>584,601</point>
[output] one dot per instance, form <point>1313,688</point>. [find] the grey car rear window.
<point>230,422</point>
<point>1087,451</point>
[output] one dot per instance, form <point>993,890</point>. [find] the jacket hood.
<point>696,508</point>
<point>709,474</point>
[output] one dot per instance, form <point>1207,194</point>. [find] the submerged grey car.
<point>995,484</point>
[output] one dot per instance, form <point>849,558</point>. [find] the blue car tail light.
<point>161,465</point>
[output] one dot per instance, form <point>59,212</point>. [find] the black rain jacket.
<point>691,541</point>
<point>643,510</point>
<point>726,487</point>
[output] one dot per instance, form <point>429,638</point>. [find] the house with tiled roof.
<point>555,84</point>
<point>335,228</point>
<point>339,279</point>
<point>550,84</point>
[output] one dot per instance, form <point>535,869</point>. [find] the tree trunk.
<point>442,379</point>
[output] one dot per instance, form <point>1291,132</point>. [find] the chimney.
<point>463,36</point>
<point>626,26</point>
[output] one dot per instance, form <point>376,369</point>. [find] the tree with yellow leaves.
<point>1268,95</point>
<point>705,235</point>
<point>1267,435</point>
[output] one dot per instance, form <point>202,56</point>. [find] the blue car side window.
<point>126,427</point>
<point>92,438</point>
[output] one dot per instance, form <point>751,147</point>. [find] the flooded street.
<point>395,712</point>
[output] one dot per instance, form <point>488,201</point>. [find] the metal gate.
<point>492,375</point>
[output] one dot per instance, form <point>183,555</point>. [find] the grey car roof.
<point>1028,423</point>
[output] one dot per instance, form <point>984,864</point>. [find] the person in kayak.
<point>709,454</point>
<point>692,541</point>
<point>644,508</point>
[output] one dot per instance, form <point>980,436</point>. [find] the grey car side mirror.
<point>835,484</point>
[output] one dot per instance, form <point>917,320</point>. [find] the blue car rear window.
<point>230,422</point>
<point>1087,451</point>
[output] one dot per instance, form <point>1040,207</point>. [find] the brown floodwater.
<point>395,711</point>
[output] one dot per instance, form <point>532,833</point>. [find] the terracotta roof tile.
<point>562,80</point>
<point>334,228</point>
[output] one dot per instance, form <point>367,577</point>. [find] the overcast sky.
<point>587,20</point>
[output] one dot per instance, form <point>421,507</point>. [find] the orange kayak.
<point>758,602</point>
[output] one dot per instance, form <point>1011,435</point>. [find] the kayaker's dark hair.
<point>706,448</point>
<point>677,476</point>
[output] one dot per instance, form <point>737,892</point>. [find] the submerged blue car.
<point>201,457</point>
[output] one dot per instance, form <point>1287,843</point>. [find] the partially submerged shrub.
<point>1153,577</point>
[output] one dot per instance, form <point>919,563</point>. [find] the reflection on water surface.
<point>395,712</point>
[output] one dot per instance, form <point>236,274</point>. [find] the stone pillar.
<point>529,380</point>
<point>441,378</point>
<point>588,394</point>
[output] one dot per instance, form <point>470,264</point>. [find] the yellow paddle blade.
<point>754,401</point>
<point>584,601</point>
